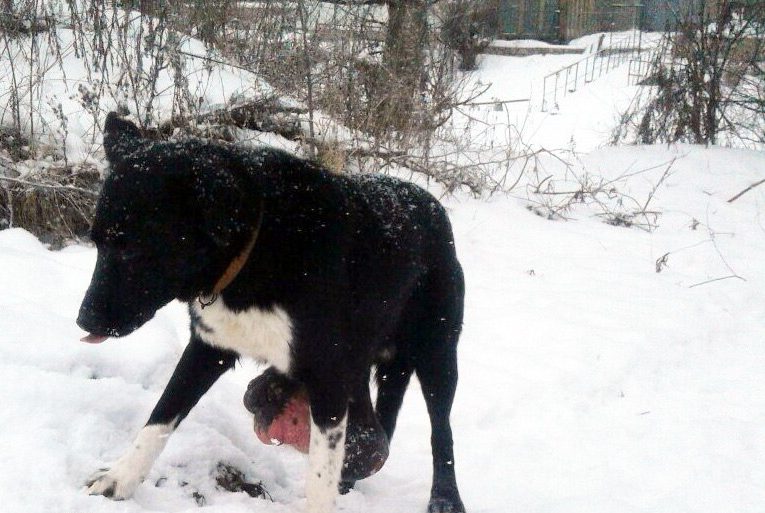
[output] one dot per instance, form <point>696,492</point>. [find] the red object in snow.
<point>292,426</point>
<point>282,416</point>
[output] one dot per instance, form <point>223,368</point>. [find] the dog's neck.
<point>235,267</point>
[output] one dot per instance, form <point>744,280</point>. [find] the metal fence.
<point>571,78</point>
<point>641,67</point>
<point>648,63</point>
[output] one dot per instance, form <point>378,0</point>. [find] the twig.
<point>661,262</point>
<point>656,186</point>
<point>717,279</point>
<point>70,188</point>
<point>737,196</point>
<point>668,163</point>
<point>497,102</point>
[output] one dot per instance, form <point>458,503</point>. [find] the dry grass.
<point>332,156</point>
<point>55,202</point>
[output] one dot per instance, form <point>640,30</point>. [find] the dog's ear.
<point>119,136</point>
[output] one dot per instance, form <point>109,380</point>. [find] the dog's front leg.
<point>329,419</point>
<point>199,367</point>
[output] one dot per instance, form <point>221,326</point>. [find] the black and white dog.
<point>324,277</point>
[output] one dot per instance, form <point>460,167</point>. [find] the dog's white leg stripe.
<point>325,463</point>
<point>121,480</point>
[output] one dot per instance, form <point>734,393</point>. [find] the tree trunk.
<point>402,81</point>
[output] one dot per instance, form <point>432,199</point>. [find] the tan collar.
<point>235,266</point>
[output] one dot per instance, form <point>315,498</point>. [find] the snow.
<point>522,43</point>
<point>589,382</point>
<point>611,387</point>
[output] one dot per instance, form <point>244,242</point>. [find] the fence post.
<point>555,91</point>
<point>600,68</point>
<point>576,75</point>
<point>608,64</point>
<point>544,94</point>
<point>568,73</point>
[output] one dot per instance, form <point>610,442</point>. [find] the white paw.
<point>120,481</point>
<point>113,483</point>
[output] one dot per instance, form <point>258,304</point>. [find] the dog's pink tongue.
<point>93,339</point>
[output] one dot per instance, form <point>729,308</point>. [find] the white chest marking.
<point>264,335</point>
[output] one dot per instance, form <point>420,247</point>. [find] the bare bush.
<point>126,61</point>
<point>376,82</point>
<point>707,84</point>
<point>377,79</point>
<point>468,27</point>
<point>553,195</point>
<point>53,201</point>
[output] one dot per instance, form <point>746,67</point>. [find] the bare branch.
<point>37,185</point>
<point>737,196</point>
<point>716,279</point>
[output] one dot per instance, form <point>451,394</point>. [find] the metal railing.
<point>569,79</point>
<point>649,63</point>
<point>640,68</point>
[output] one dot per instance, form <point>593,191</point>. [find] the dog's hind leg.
<point>392,381</point>
<point>436,368</point>
<point>199,367</point>
<point>366,442</point>
<point>438,378</point>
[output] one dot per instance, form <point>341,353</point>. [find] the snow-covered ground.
<point>589,382</point>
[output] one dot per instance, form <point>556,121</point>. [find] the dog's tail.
<point>120,136</point>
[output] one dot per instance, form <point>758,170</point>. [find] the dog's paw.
<point>445,505</point>
<point>112,483</point>
<point>344,487</point>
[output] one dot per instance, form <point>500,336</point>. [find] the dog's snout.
<point>91,321</point>
<point>96,312</point>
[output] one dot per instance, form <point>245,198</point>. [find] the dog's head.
<point>168,218</point>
